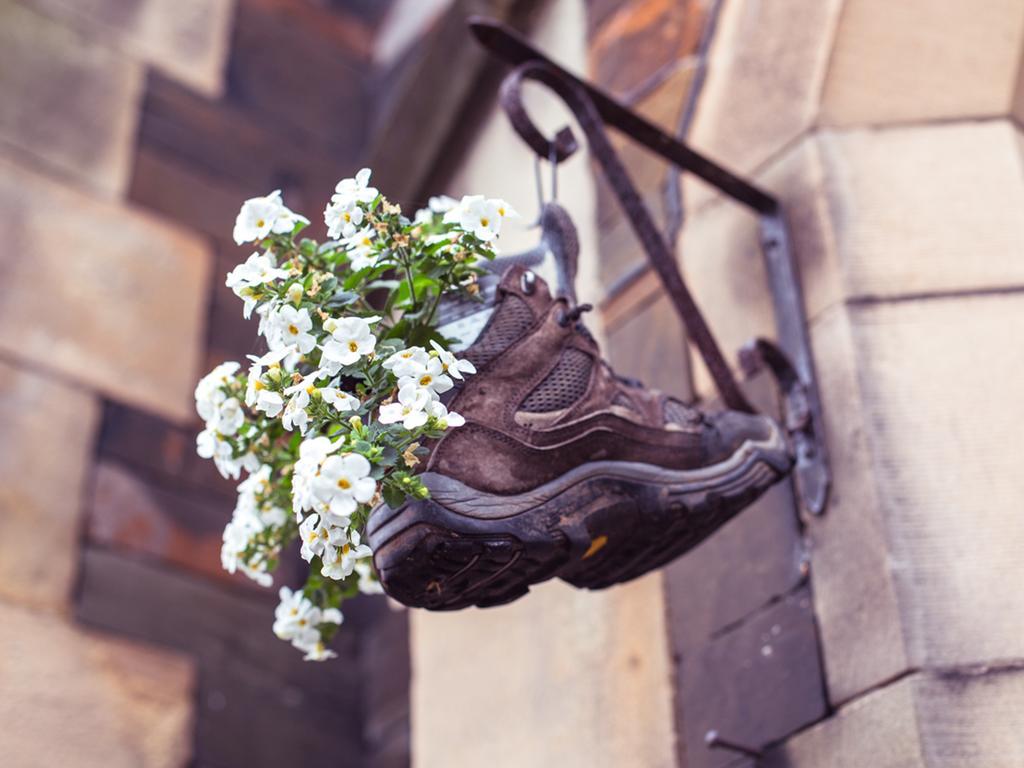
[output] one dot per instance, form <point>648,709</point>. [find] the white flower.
<point>368,583</point>
<point>431,378</point>
<point>229,417</point>
<point>318,652</point>
<point>295,293</point>
<point>442,203</point>
<point>447,418</point>
<point>296,618</point>
<point>255,382</point>
<point>291,326</point>
<point>407,362</point>
<point>356,189</point>
<point>342,401</point>
<point>351,338</point>
<point>258,269</point>
<point>209,393</point>
<point>340,561</point>
<point>344,482</point>
<point>271,403</point>
<point>451,364</point>
<point>312,453</point>
<point>211,445</point>
<point>295,415</point>
<point>342,218</point>
<point>481,217</point>
<point>315,535</point>
<point>410,408</point>
<point>260,216</point>
<point>360,249</point>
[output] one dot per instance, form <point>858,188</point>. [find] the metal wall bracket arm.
<point>789,359</point>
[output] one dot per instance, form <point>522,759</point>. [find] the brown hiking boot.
<point>563,468</point>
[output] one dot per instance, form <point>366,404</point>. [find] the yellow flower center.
<point>344,484</point>
<point>425,380</point>
<point>293,330</point>
<point>257,385</point>
<point>260,223</point>
<point>347,216</point>
<point>295,611</point>
<point>353,347</point>
<point>345,549</point>
<point>485,221</point>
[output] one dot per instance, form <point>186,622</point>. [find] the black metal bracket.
<point>789,359</point>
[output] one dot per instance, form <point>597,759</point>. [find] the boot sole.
<point>600,524</point>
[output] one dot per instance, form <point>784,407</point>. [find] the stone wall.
<point>886,632</point>
<point>129,135</point>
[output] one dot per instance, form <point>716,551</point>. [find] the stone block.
<point>755,684</point>
<point>878,730</point>
<point>722,261</point>
<point>926,209</point>
<point>765,71</point>
<point>124,594</point>
<point>123,293</point>
<point>942,408</point>
<point>955,719</point>
<point>73,697</point>
<point>156,448</point>
<point>46,429</point>
<point>587,675</point>
<point>922,60</point>
<point>68,102</point>
<point>187,39</point>
<point>855,598</point>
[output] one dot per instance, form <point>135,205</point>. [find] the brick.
<point>721,258</point>
<point>756,558</point>
<point>47,430</point>
<point>124,293</point>
<point>754,684</point>
<point>926,209</point>
<point>640,38</point>
<point>879,729</point>
<point>69,102</point>
<point>178,528</point>
<point>187,39</point>
<point>80,698</point>
<point>855,597</point>
<point>764,81</point>
<point>941,400</point>
<point>922,60</point>
<point>473,667</point>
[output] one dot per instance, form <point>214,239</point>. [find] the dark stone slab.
<point>159,449</point>
<point>756,683</point>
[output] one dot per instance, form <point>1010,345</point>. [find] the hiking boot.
<point>563,468</point>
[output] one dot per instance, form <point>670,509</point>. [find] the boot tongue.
<point>554,259</point>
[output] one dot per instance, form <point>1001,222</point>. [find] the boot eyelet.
<point>528,283</point>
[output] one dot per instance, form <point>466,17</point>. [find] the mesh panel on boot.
<point>676,412</point>
<point>512,319</point>
<point>561,388</point>
<point>624,402</point>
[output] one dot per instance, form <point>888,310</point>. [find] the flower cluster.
<point>336,415</point>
